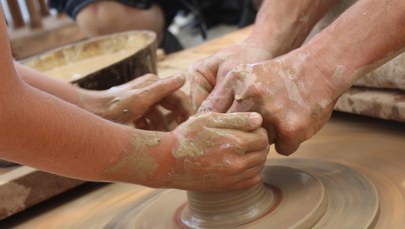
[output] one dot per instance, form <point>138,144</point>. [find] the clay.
<point>142,164</point>
<point>373,148</point>
<point>78,69</point>
<point>303,194</point>
<point>296,193</point>
<point>102,62</point>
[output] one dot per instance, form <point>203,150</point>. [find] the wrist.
<point>263,42</point>
<point>91,101</point>
<point>145,160</point>
<point>162,177</point>
<point>279,36</point>
<point>331,63</point>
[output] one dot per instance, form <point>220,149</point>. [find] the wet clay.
<point>76,70</point>
<point>296,193</point>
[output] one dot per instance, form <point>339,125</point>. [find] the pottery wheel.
<point>302,193</point>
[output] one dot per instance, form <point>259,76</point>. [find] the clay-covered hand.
<point>205,73</point>
<point>218,152</point>
<point>137,100</point>
<point>294,97</point>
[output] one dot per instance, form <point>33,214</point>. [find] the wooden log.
<point>140,60</point>
<point>35,16</point>
<point>24,187</point>
<point>16,15</point>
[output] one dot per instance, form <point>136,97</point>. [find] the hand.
<point>207,72</point>
<point>294,97</point>
<point>215,152</point>
<point>137,100</point>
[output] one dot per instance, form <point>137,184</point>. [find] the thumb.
<point>200,89</point>
<point>219,100</point>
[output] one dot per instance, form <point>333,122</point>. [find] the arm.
<point>363,38</point>
<point>110,104</point>
<point>280,27</point>
<point>55,87</point>
<point>40,130</point>
<point>283,25</point>
<point>296,92</point>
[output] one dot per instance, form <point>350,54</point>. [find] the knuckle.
<point>197,65</point>
<point>208,115</point>
<point>295,126</point>
<point>263,142</point>
<point>290,131</point>
<point>239,166</point>
<point>239,143</point>
<point>262,134</point>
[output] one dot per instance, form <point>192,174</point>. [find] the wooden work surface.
<point>374,147</point>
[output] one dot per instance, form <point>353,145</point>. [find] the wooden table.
<point>373,147</point>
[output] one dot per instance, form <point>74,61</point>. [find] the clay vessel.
<point>139,59</point>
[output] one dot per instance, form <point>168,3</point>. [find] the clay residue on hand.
<point>186,148</point>
<point>246,73</point>
<point>137,165</point>
<point>337,76</point>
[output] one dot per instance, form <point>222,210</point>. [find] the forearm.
<point>45,132</point>
<point>367,35</point>
<point>86,99</point>
<point>48,133</point>
<point>48,84</point>
<point>283,25</point>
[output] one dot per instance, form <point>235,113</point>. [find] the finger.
<point>286,146</point>
<point>162,88</point>
<point>220,99</point>
<point>142,124</point>
<point>256,158</point>
<point>142,81</point>
<point>254,141</point>
<point>203,76</point>
<point>245,121</point>
<point>200,89</point>
<point>207,68</point>
<point>248,183</point>
<point>241,105</point>
<point>157,119</point>
<point>179,104</point>
<point>248,174</point>
<point>171,120</point>
<point>271,132</point>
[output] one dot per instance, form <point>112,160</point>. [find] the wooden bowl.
<point>102,62</point>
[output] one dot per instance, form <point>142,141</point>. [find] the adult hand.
<point>216,152</point>
<point>294,97</point>
<point>205,73</point>
<point>137,100</point>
